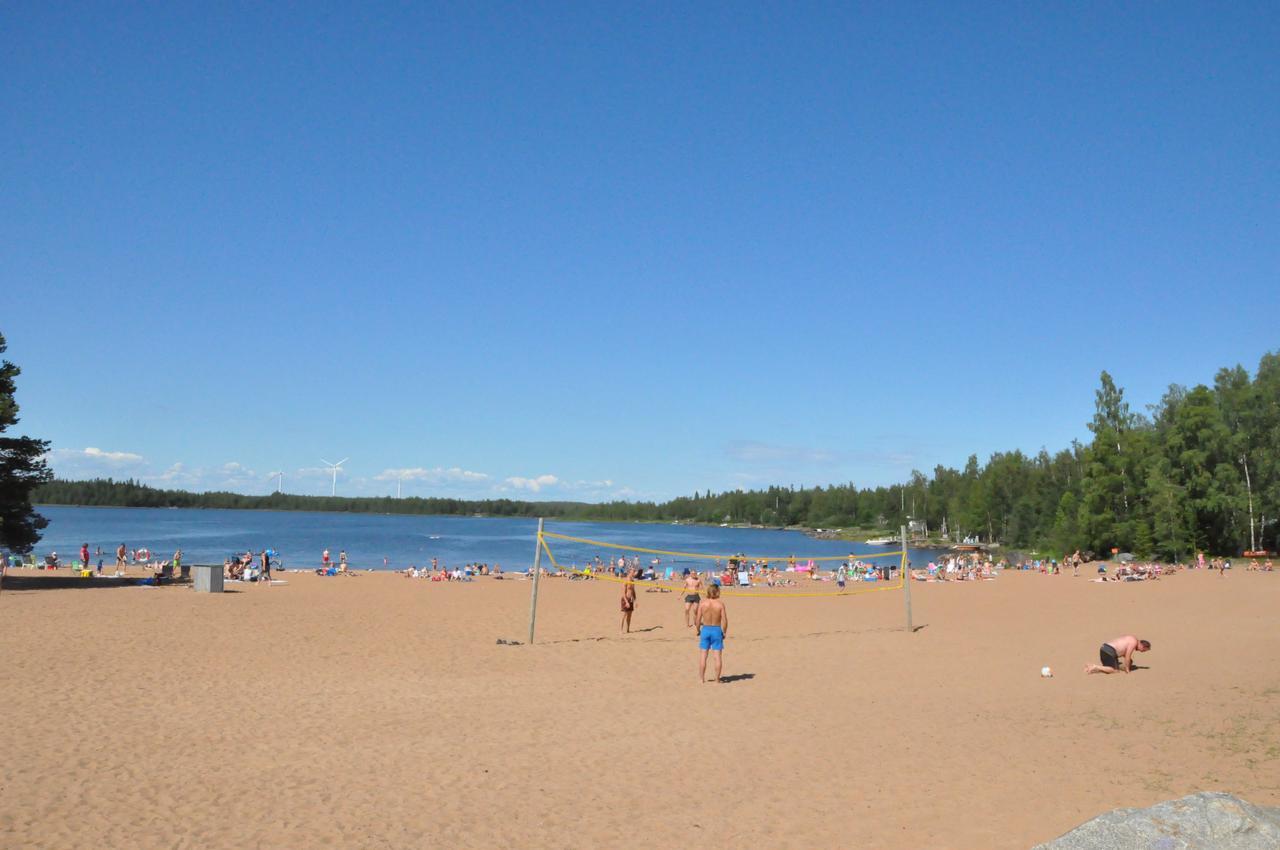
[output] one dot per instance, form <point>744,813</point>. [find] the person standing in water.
<point>712,623</point>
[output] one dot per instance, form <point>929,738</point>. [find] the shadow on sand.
<point>22,582</point>
<point>737,677</point>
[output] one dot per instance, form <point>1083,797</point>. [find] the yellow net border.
<point>724,591</point>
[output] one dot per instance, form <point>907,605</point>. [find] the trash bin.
<point>208,577</point>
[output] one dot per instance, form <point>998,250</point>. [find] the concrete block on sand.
<point>1203,821</point>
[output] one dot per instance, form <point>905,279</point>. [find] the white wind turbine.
<point>279,477</point>
<point>399,481</point>
<point>333,467</point>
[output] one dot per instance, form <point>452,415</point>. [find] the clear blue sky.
<point>583,251</point>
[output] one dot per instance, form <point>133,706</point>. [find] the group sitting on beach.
<point>1134,572</point>
<point>960,568</point>
<point>465,573</point>
<point>234,567</point>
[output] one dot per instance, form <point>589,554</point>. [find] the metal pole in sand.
<point>906,578</point>
<point>537,571</point>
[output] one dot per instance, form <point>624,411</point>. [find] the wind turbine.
<point>333,467</point>
<point>399,481</point>
<point>279,477</point>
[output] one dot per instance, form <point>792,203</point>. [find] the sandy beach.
<point>380,712</point>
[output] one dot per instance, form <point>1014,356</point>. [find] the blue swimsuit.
<point>712,637</point>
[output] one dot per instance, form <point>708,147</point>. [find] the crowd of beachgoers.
<point>978,567</point>
<point>468,572</point>
<point>736,570</point>
<point>122,560</point>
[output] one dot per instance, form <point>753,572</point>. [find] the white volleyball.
<point>1046,672</point>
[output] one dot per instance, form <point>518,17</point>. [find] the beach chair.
<point>744,578</point>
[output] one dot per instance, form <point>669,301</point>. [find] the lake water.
<point>209,536</point>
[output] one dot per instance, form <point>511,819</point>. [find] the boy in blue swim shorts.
<point>712,623</point>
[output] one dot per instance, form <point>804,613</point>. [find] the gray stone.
<point>1203,821</point>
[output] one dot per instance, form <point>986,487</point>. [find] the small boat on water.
<point>882,541</point>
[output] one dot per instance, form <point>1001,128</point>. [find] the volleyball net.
<point>740,574</point>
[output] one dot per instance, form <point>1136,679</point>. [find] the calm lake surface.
<point>209,536</point>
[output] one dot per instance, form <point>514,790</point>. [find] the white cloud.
<point>750,451</point>
<point>176,474</point>
<point>438,475</point>
<point>93,462</point>
<point>92,455</point>
<point>112,457</point>
<point>233,475</point>
<point>533,485</point>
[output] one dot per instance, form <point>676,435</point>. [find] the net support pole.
<point>537,573</point>
<point>906,578</point>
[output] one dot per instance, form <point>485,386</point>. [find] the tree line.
<point>1199,471</point>
<point>22,469</point>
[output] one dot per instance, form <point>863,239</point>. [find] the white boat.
<point>882,541</point>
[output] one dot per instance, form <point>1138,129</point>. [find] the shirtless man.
<point>1116,655</point>
<point>628,601</point>
<point>692,588</point>
<point>120,559</point>
<point>712,622</point>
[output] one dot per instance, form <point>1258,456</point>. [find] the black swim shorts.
<point>1107,654</point>
<point>691,598</point>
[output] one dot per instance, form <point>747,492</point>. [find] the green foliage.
<point>22,469</point>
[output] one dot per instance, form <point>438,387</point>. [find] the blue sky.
<point>565,251</point>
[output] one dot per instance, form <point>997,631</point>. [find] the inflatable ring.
<point>142,555</point>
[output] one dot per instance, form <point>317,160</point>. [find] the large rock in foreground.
<point>1204,821</point>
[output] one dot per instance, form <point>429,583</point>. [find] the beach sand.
<point>380,712</point>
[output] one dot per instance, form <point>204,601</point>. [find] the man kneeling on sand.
<point>1117,654</point>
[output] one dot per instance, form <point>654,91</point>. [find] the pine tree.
<point>22,469</point>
